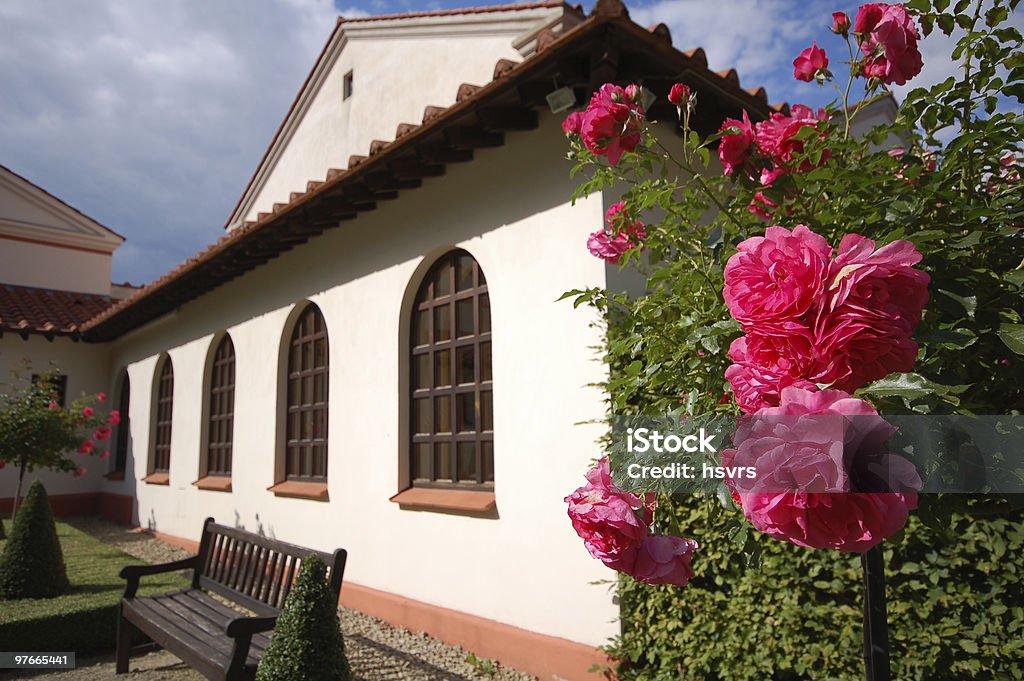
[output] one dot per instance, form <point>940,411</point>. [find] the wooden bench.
<point>215,639</point>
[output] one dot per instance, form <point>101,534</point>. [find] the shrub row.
<point>955,600</point>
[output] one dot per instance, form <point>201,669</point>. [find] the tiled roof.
<point>26,310</point>
<point>479,118</point>
<point>461,10</point>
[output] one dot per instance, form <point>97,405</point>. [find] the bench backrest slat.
<point>255,571</point>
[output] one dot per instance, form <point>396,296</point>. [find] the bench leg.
<point>124,642</point>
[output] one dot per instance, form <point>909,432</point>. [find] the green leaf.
<point>911,386</point>
<point>1012,336</point>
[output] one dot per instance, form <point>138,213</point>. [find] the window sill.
<point>317,491</point>
<point>216,483</point>
<point>450,501</point>
<point>114,475</point>
<point>157,479</point>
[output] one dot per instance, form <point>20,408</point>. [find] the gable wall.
<point>396,76</point>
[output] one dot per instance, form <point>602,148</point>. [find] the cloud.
<point>759,38</point>
<point>150,116</point>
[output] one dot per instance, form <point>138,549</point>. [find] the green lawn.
<point>85,619</point>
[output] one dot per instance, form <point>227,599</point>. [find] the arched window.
<point>221,410</point>
<point>162,421</point>
<point>124,427</point>
<point>306,424</point>
<point>451,410</point>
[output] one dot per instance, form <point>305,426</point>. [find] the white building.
<point>373,356</point>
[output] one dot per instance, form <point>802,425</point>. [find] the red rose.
<point>809,63</point>
<point>734,149</point>
<point>611,123</point>
<point>679,94</point>
<point>840,23</point>
<point>888,38</point>
<point>621,234</point>
<point>572,123</point>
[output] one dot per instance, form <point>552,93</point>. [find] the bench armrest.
<point>132,573</point>
<point>247,626</point>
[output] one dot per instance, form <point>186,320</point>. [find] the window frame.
<point>163,419</point>
<point>123,428</point>
<point>219,411</point>
<point>294,412</point>
<point>425,304</point>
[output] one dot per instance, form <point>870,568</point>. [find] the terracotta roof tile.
<point>465,10</point>
<point>25,309</point>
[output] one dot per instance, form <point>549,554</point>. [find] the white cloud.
<point>150,116</point>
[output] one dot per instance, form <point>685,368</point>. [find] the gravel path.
<point>376,651</point>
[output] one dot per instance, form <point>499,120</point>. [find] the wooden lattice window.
<point>221,414</point>
<point>306,437</point>
<point>123,428</point>
<point>451,407</point>
<point>162,422</point>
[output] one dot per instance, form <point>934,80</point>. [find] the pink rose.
<point>679,94</point>
<point>53,405</point>
<point>809,63</point>
<point>776,136</point>
<point>855,346</point>
<point>777,277</point>
<point>115,418</point>
<point>734,149</point>
<point>611,522</point>
<point>882,280</point>
<point>851,522</point>
<point>572,123</point>
<point>663,559</point>
<point>825,478</point>
<point>840,23</point>
<point>102,397</point>
<point>102,433</point>
<point>85,447</point>
<point>611,123</point>
<point>888,38</point>
<point>80,472</point>
<point>765,363</point>
<point>87,412</point>
<point>621,234</point>
<point>105,454</point>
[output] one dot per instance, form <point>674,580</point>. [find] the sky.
<point>151,116</point>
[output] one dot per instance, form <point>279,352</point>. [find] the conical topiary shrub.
<point>307,643</point>
<point>32,564</point>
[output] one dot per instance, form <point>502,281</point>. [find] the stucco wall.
<point>510,209</point>
<point>87,368</point>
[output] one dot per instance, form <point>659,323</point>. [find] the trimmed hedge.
<point>83,620</point>
<point>32,565</point>
<point>307,644</point>
<point>955,598</point>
